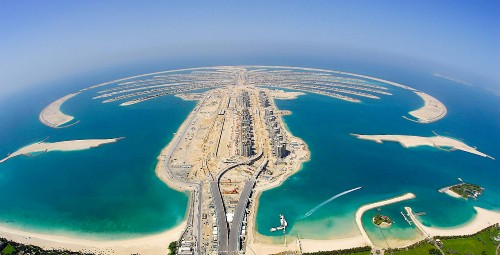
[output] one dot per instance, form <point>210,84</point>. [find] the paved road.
<point>197,186</point>
<point>239,213</point>
<point>220,212</point>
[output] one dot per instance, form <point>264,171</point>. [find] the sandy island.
<point>52,115</point>
<point>483,219</point>
<point>408,141</point>
<point>72,145</point>
<point>433,109</point>
<point>152,244</point>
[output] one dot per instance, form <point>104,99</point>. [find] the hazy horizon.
<point>53,41</point>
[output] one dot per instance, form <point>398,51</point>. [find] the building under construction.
<point>246,129</point>
<point>276,135</point>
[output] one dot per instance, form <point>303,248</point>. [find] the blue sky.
<point>43,41</point>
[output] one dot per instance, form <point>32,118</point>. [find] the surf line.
<point>310,212</point>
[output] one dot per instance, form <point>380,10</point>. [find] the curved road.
<point>197,186</point>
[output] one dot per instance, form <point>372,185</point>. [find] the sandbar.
<point>71,145</point>
<point>52,115</point>
<point>437,141</point>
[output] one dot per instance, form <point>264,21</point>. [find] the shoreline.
<point>483,219</point>
<point>149,244</point>
<point>52,116</point>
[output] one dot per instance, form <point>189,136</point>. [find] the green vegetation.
<point>422,247</point>
<point>10,247</point>
<point>172,247</point>
<point>352,251</point>
<point>482,242</point>
<point>379,219</point>
<point>467,190</point>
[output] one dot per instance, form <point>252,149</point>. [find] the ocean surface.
<point>112,191</point>
<point>341,162</point>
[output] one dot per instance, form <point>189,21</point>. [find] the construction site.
<point>232,143</point>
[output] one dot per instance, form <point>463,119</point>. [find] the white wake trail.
<point>328,201</point>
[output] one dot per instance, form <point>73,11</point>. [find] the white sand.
<point>152,244</point>
<point>367,207</point>
<point>309,245</point>
<point>451,193</point>
<point>408,141</point>
<point>433,109</point>
<point>483,219</point>
<point>71,145</point>
<point>52,115</point>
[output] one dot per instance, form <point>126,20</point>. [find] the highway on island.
<point>239,213</point>
<point>220,211</point>
<point>197,186</point>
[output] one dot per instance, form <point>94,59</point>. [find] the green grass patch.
<point>9,249</point>
<point>480,243</point>
<point>423,248</point>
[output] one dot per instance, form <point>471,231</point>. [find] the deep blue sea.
<point>112,191</point>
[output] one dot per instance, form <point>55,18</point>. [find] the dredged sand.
<point>52,115</point>
<point>408,141</point>
<point>147,245</point>
<point>433,109</point>
<point>71,145</point>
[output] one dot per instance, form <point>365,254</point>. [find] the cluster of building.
<point>246,131</point>
<point>276,135</point>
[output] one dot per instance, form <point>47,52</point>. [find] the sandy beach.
<point>52,115</point>
<point>447,191</point>
<point>408,141</point>
<point>71,145</point>
<point>147,245</point>
<point>483,219</point>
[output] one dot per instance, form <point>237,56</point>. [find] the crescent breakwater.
<point>52,115</point>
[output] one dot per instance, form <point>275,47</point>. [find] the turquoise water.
<point>400,229</point>
<point>341,162</point>
<point>112,191</point>
<point>107,192</point>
